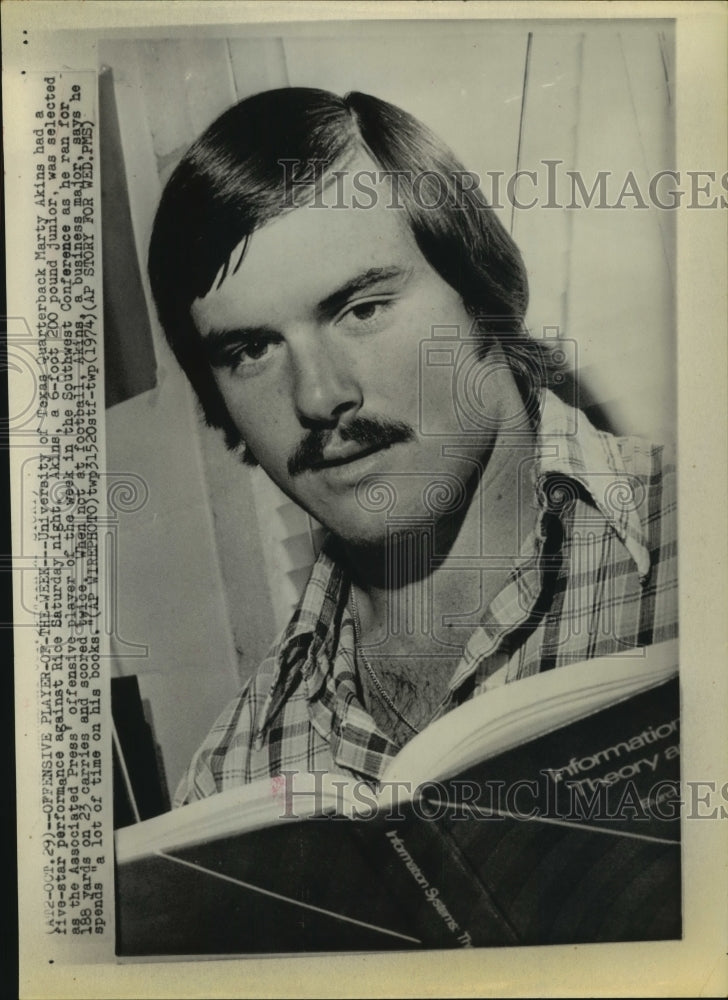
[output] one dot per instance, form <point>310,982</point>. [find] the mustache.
<point>369,432</point>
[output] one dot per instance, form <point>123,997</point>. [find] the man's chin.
<point>366,534</point>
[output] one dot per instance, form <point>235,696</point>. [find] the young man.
<point>350,313</point>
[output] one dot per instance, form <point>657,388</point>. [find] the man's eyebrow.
<point>359,283</point>
<point>216,342</point>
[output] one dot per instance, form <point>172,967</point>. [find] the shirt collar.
<point>309,637</point>
<point>570,450</point>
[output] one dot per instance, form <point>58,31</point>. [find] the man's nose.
<point>324,385</point>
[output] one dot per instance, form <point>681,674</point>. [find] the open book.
<point>540,812</point>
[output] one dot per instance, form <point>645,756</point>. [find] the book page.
<point>540,704</point>
<point>249,807</point>
<point>152,569</point>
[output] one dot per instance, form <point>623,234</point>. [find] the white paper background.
<point>694,966</point>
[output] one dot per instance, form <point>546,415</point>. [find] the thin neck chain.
<point>361,656</point>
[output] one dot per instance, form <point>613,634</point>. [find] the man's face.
<point>315,346</point>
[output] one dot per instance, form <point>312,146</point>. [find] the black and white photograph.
<point>446,531</point>
<point>349,428</point>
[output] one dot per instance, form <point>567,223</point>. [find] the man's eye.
<point>247,353</point>
<point>254,349</point>
<point>364,310</point>
<point>366,313</point>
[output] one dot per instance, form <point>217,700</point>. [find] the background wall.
<point>211,562</point>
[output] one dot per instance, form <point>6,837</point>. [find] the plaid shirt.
<point>597,575</point>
